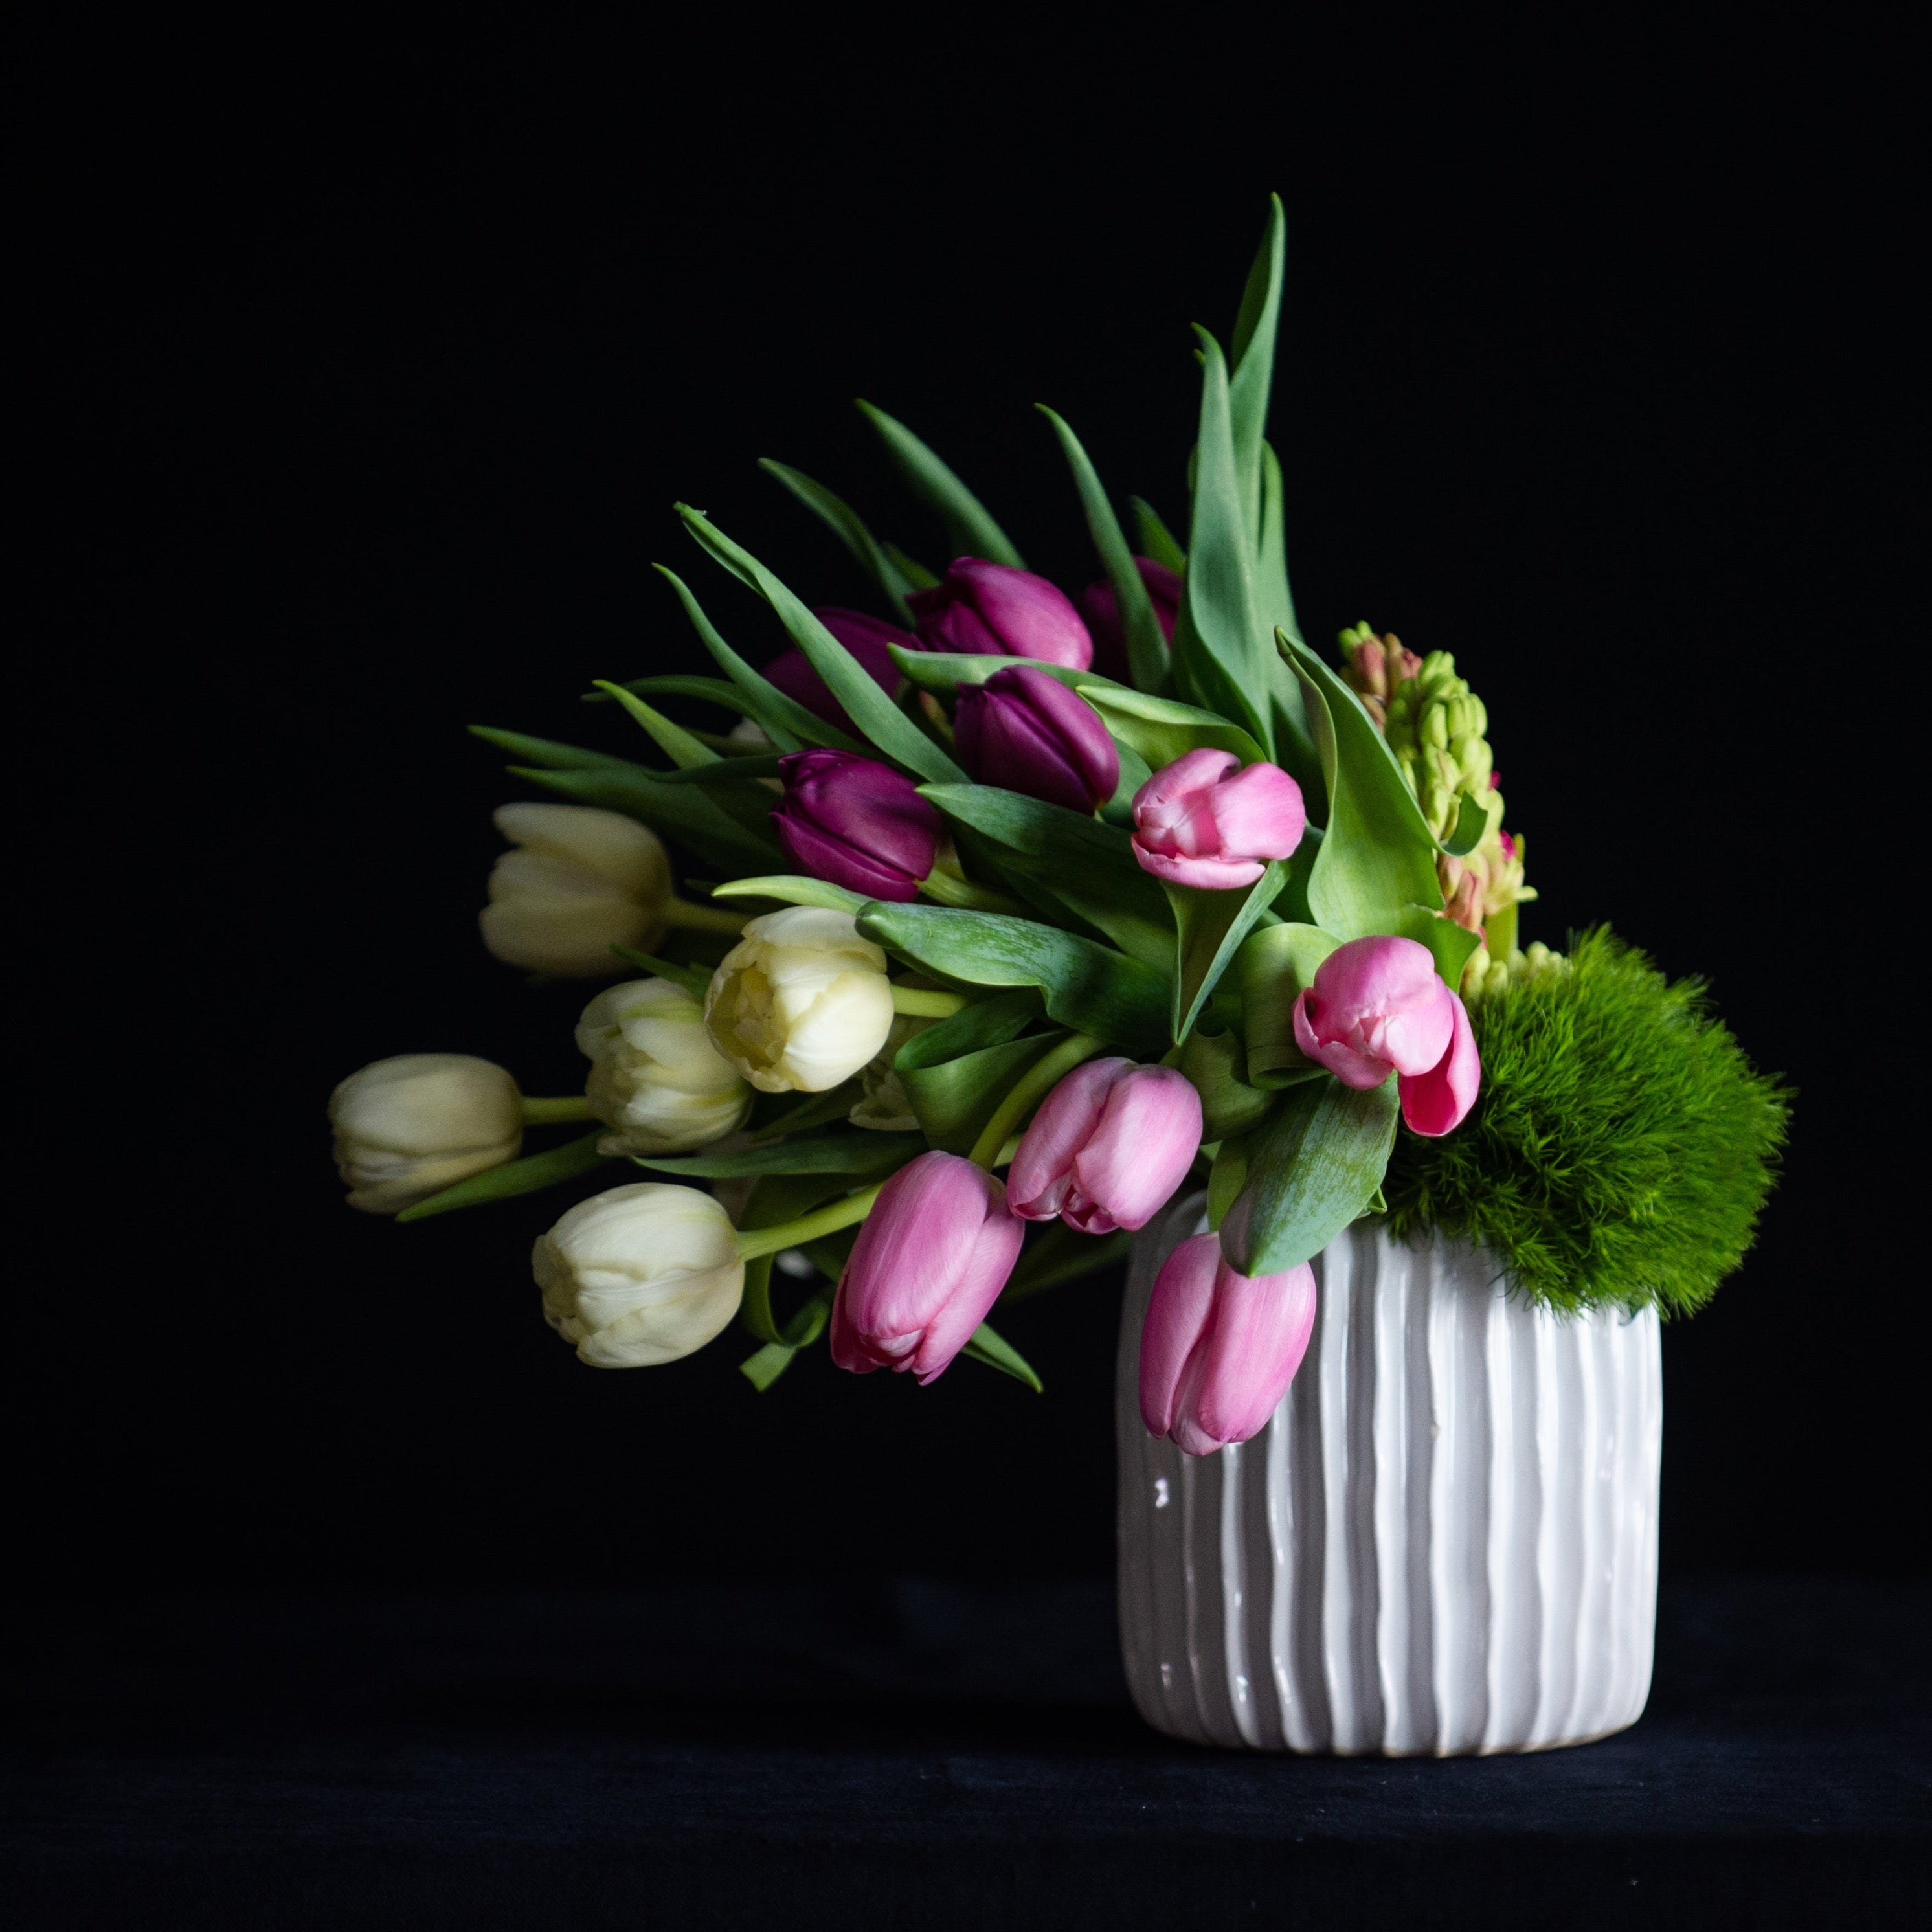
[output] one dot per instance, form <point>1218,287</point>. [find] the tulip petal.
<point>1193,771</point>
<point>995,1251</point>
<point>1258,814</point>
<point>818,852</point>
<point>1043,1163</point>
<point>1210,875</point>
<point>1434,1102</point>
<point>1000,744</point>
<point>1260,1332</point>
<point>1138,1152</point>
<point>1178,1314</point>
<point>1361,1071</point>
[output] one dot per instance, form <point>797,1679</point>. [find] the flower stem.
<point>704,918</point>
<point>927,1003</point>
<point>568,1107</point>
<point>1032,1086</point>
<point>754,1242</point>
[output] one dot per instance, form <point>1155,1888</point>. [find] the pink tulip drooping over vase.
<point>1108,1147</point>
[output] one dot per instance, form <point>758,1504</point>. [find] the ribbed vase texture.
<point>1443,1541</point>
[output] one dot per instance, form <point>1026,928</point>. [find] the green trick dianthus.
<point>1622,1146</point>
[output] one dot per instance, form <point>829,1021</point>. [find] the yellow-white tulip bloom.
<point>639,1275</point>
<point>655,1078</point>
<point>580,881</point>
<point>801,1002</point>
<point>408,1127</point>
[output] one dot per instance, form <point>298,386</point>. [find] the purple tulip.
<point>995,611</point>
<point>1102,610</point>
<point>1219,1349</point>
<point>1379,1006</point>
<point>1200,822</point>
<point>866,638</point>
<point>1025,730</point>
<point>856,822</point>
<point>929,1263</point>
<point>1108,1148</point>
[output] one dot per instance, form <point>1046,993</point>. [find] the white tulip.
<point>408,1127</point>
<point>641,1275</point>
<point>580,881</point>
<point>655,1078</point>
<point>801,1002</point>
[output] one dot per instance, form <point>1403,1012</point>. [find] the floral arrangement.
<point>1101,895</point>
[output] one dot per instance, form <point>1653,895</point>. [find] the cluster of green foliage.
<point>1622,1147</point>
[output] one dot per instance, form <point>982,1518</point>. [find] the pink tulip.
<point>993,609</point>
<point>1196,825</point>
<point>1379,1006</point>
<point>1108,1148</point>
<point>1102,610</point>
<point>929,1263</point>
<point>1219,1349</point>
<point>866,638</point>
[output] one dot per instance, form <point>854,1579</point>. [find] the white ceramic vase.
<point>1443,1541</point>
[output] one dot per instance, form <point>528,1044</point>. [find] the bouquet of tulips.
<point>1096,896</point>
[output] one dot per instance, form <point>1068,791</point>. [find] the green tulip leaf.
<point>1211,926</point>
<point>871,711</point>
<point>677,744</point>
<point>846,525</point>
<point>1472,822</point>
<point>1226,1178</point>
<point>694,979</point>
<point>953,1100</point>
<point>1157,541</point>
<point>1451,944</point>
<point>1146,648</point>
<point>1311,1172</point>
<point>1378,855</point>
<point>1252,357</point>
<point>970,527</point>
<point>1220,654</point>
<point>712,690</point>
<point>914,572</point>
<point>1087,866</point>
<point>1217,1064</point>
<point>1163,729</point>
<point>993,1349</point>
<point>725,770</point>
<point>794,889</point>
<point>567,1163</point>
<point>863,1153</point>
<point>784,720</point>
<point>1086,986</point>
<point>553,756</point>
<point>1276,965</point>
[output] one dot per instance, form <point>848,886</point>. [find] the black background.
<point>370,382</point>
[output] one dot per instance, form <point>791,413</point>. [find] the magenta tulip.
<point>1025,730</point>
<point>1108,1147</point>
<point>1379,1006</point>
<point>856,823</point>
<point>929,1263</point>
<point>866,638</point>
<point>991,609</point>
<point>1201,822</point>
<point>1102,610</point>
<point>1219,1349</point>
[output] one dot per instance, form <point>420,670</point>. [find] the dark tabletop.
<point>916,1754</point>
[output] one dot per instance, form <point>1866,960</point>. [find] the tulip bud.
<point>1108,1147</point>
<point>655,1078</point>
<point>995,611</point>
<point>856,823</point>
<point>409,1127</point>
<point>867,638</point>
<point>801,1002</point>
<point>1025,730</point>
<point>928,1265</point>
<point>581,881</point>
<point>1219,1349</point>
<point>640,1275</point>
<point>1102,610</point>
<point>1195,824</point>
<point>1379,1006</point>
